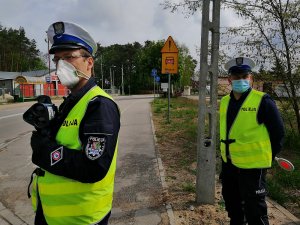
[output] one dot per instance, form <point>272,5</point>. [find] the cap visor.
<point>56,48</point>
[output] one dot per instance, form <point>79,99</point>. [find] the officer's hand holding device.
<point>40,114</point>
<point>42,143</point>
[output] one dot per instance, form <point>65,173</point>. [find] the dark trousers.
<point>244,192</point>
<point>40,219</point>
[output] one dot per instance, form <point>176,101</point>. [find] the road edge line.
<point>284,211</point>
<point>162,176</point>
<point>8,216</point>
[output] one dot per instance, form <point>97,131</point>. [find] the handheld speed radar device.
<point>41,113</point>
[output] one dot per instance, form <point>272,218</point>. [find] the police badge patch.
<point>239,61</point>
<point>56,155</point>
<point>95,147</point>
<point>59,28</point>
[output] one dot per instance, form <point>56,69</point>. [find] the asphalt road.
<point>137,198</point>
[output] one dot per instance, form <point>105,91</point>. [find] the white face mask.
<point>68,74</point>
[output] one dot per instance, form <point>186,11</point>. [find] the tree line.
<point>17,52</point>
<point>137,61</point>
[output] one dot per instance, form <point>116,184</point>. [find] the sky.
<point>108,21</point>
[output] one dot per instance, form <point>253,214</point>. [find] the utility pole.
<point>101,71</point>
<point>122,81</point>
<point>110,78</point>
<point>48,41</point>
<point>112,82</point>
<point>206,139</point>
<point>113,79</point>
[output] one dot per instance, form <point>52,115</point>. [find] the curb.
<point>162,177</point>
<point>7,217</point>
<point>285,212</point>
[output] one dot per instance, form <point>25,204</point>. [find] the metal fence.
<point>21,94</point>
<point>4,91</point>
<point>31,92</point>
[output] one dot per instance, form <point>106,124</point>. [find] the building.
<point>26,85</point>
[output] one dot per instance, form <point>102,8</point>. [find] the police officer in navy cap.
<point>251,134</point>
<point>76,161</point>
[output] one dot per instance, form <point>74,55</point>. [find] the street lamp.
<point>122,81</point>
<point>101,59</point>
<point>132,71</point>
<point>111,76</point>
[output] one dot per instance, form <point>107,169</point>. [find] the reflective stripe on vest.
<point>67,201</point>
<point>252,146</point>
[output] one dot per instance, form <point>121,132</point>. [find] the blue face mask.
<point>240,86</point>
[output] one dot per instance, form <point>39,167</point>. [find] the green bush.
<point>292,141</point>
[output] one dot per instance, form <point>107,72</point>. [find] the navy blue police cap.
<point>240,65</point>
<point>65,35</point>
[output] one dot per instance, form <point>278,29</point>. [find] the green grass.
<point>189,187</point>
<point>292,141</point>
<point>183,115</point>
<point>221,204</point>
<point>273,188</point>
<point>282,184</point>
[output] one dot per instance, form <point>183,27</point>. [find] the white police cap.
<point>239,65</point>
<point>65,35</point>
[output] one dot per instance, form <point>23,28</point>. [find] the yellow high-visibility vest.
<point>251,147</point>
<point>67,201</point>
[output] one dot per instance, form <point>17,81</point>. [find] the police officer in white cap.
<point>77,160</point>
<point>251,134</point>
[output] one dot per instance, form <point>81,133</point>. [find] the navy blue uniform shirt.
<point>267,114</point>
<point>101,120</point>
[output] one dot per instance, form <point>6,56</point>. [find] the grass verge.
<point>177,144</point>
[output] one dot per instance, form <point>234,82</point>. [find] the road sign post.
<point>169,87</point>
<point>154,87</point>
<point>153,74</point>
<point>169,64</point>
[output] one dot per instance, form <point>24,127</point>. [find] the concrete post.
<point>207,114</point>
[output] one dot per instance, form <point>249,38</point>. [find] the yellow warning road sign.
<point>169,57</point>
